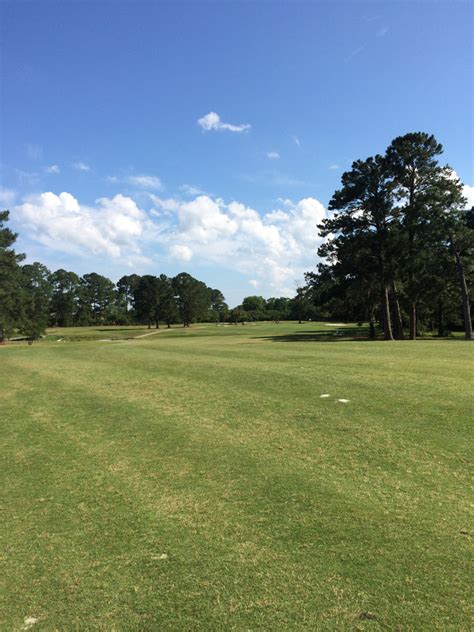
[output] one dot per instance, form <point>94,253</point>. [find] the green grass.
<point>277,510</point>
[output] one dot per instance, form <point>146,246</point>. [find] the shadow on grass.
<point>346,334</point>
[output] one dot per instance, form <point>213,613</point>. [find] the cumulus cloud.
<point>273,249</point>
<point>53,169</point>
<point>273,155</point>
<point>81,166</point>
<point>113,227</point>
<point>467,190</point>
<point>212,121</point>
<point>468,193</point>
<point>181,253</point>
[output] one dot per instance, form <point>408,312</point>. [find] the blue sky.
<point>157,137</point>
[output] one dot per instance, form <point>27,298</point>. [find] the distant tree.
<point>10,280</point>
<point>166,309</point>
<point>193,298</point>
<point>126,286</point>
<point>219,307</point>
<point>145,299</point>
<point>96,296</point>
<point>64,305</point>
<point>278,308</point>
<point>36,290</point>
<point>254,304</point>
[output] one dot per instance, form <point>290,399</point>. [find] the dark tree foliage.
<point>399,244</point>
<point>65,292</point>
<point>219,308</point>
<point>11,295</point>
<point>36,290</point>
<point>145,299</point>
<point>193,298</point>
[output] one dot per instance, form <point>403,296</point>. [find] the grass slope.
<point>195,480</point>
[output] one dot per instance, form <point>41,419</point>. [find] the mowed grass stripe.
<point>294,520</point>
<point>207,525</point>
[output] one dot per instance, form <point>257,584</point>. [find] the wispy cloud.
<point>212,121</point>
<point>296,140</point>
<point>53,169</point>
<point>141,181</point>
<point>273,155</point>
<point>7,196</point>
<point>146,182</point>
<point>354,53</point>
<point>81,166</point>
<point>383,31</point>
<point>189,189</point>
<point>27,177</point>
<point>334,167</point>
<point>34,152</point>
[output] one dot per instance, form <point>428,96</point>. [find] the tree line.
<point>398,253</point>
<point>33,298</point>
<point>398,246</point>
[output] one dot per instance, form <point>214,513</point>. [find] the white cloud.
<point>7,197</point>
<point>81,166</point>
<point>468,193</point>
<point>188,189</point>
<point>113,228</point>
<point>467,190</point>
<point>296,140</point>
<point>334,167</point>
<point>181,253</point>
<point>383,31</point>
<point>212,121</point>
<point>169,204</point>
<point>273,249</point>
<point>285,201</point>
<point>53,169</point>
<point>146,182</point>
<point>273,155</point>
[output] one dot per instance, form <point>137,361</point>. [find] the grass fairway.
<point>195,480</point>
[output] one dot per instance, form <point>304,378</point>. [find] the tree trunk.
<point>372,326</point>
<point>413,321</point>
<point>157,324</point>
<point>397,315</point>
<point>387,324</point>
<point>440,320</point>
<point>466,308</point>
<point>2,334</point>
<point>149,324</point>
<point>411,262</point>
